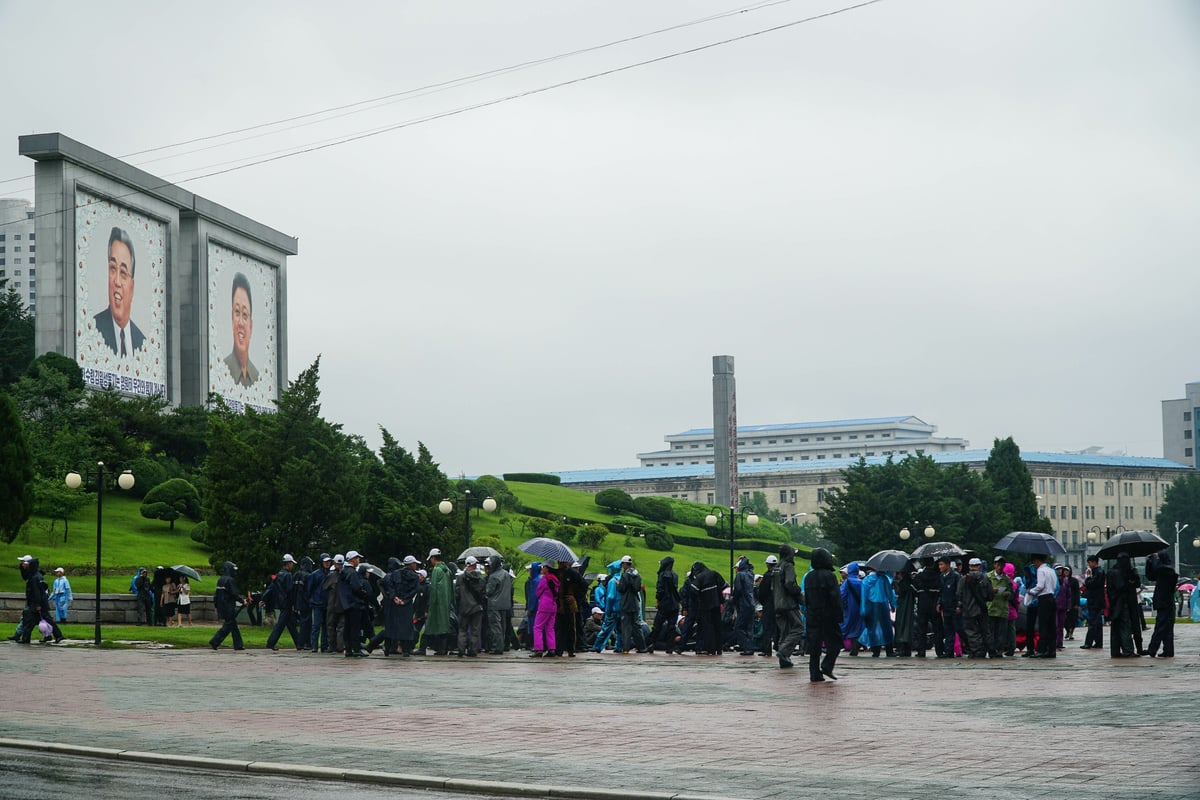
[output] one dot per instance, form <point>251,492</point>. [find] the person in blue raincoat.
<point>878,603</point>
<point>60,595</point>
<point>852,621</point>
<point>612,611</point>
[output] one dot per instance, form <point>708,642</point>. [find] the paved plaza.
<point>1080,727</point>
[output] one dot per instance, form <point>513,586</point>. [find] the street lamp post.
<point>929,531</point>
<point>447,507</point>
<point>1179,529</point>
<point>125,480</point>
<point>714,517</point>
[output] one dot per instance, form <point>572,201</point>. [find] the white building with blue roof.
<point>808,441</point>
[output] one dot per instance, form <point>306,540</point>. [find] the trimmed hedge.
<point>533,477</point>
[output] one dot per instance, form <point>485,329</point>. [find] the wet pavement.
<point>1082,726</point>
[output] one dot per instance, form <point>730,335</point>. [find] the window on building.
<point>693,447</point>
<point>820,438</point>
<point>16,237</point>
<point>745,497</point>
<point>1063,511</point>
<point>804,458</point>
<point>1062,486</point>
<point>1074,512</point>
<point>804,439</point>
<point>1147,513</point>
<point>1053,486</point>
<point>17,249</point>
<point>1187,415</point>
<point>782,496</point>
<point>1187,433</point>
<point>1041,486</point>
<point>710,498</point>
<point>678,447</point>
<point>17,285</point>
<point>772,458</point>
<point>771,441</point>
<point>837,438</point>
<point>871,453</point>
<point>16,261</point>
<point>787,458</point>
<point>757,441</point>
<point>870,436</point>
<point>757,460</point>
<point>1053,512</point>
<point>1041,511</point>
<point>821,457</point>
<point>792,496</point>
<point>32,236</point>
<point>820,495</point>
<point>787,441</point>
<point>1187,451</point>
<point>837,455</point>
<point>17,273</point>
<point>1073,486</point>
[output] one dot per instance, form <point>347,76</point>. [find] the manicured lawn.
<point>130,540</point>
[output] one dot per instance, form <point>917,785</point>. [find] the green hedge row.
<point>533,477</point>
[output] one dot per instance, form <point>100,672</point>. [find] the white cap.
<point>472,560</point>
<point>25,558</point>
<point>59,569</point>
<point>287,558</point>
<point>434,552</point>
<point>353,554</point>
<point>339,558</point>
<point>597,610</point>
<point>772,560</point>
<point>975,562</point>
<point>423,573</point>
<point>410,560</point>
<point>626,559</point>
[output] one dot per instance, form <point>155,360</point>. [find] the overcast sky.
<point>983,214</point>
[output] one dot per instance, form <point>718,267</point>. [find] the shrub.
<point>658,539</point>
<point>591,536</point>
<point>540,526</point>
<point>200,532</point>
<point>171,500</point>
<point>532,477</point>
<point>653,508</point>
<point>615,500</point>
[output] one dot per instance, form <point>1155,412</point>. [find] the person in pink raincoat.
<point>547,612</point>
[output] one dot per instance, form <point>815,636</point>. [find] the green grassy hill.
<point>130,541</point>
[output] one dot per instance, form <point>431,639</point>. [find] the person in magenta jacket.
<point>547,611</point>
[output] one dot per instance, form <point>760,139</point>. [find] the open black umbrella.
<point>1135,543</point>
<point>937,550</point>
<point>1030,542</point>
<point>888,561</point>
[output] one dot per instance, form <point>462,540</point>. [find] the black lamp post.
<point>714,517</point>
<point>447,507</point>
<point>125,480</point>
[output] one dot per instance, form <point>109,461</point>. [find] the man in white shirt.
<point>1044,590</point>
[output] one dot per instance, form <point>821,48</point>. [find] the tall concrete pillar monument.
<point>725,432</point>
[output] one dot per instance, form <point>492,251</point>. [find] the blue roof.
<point>795,425</point>
<point>627,474</point>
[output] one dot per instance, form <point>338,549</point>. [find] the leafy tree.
<point>171,500</point>
<point>497,489</point>
<point>540,526</point>
<point>1010,477</point>
<point>516,525</point>
<point>591,536</point>
<point>655,509</point>
<point>51,400</point>
<point>288,482</point>
<point>758,504</point>
<point>1182,504</point>
<point>16,335</point>
<point>614,500</point>
<point>401,516</point>
<point>16,471</point>
<point>866,514</point>
<point>54,501</point>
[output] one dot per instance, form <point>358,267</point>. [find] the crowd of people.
<point>341,604</point>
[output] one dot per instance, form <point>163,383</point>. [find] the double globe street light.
<point>447,507</point>
<point>714,517</point>
<point>929,532</point>
<point>124,479</point>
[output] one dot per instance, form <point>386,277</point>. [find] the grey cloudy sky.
<point>983,214</point>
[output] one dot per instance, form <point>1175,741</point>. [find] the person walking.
<point>630,587</point>
<point>228,600</point>
<point>37,603</point>
<point>612,611</point>
<point>709,587</point>
<point>824,616</point>
<point>60,595</point>
<point>764,593</point>
<point>354,596</point>
<point>281,592</point>
<point>787,600</point>
<point>997,609</point>
<point>852,622</point>
<point>878,603</point>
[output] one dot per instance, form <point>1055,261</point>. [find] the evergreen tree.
<point>1010,477</point>
<point>16,471</point>
<point>16,335</point>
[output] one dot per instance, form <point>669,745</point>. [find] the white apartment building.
<point>1179,421</point>
<point>18,249</point>
<point>808,441</point>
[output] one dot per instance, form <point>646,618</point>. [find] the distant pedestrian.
<point>666,594</point>
<point>281,592</point>
<point>630,587</point>
<point>469,597</point>
<point>823,608</point>
<point>228,600</point>
<point>878,604</point>
<point>184,606</point>
<point>498,588</point>
<point>852,621</point>
<point>441,596</point>
<point>787,600</point>
<point>546,605</point>
<point>764,593</point>
<point>1044,590</point>
<point>1161,570</point>
<point>143,597</point>
<point>1093,593</point>
<point>60,595</point>
<point>742,599</point>
<point>1122,589</point>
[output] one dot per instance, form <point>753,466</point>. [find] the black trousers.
<point>353,621</point>
<point>285,618</point>
<point>833,645</point>
<point>229,626</point>
<point>1095,629</point>
<point>664,623</point>
<point>709,640</point>
<point>1164,631</point>
<point>927,621</point>
<point>1047,622</point>
<point>791,631</point>
<point>767,646</point>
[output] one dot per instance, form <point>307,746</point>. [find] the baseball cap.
<point>59,569</point>
<point>597,610</point>
<point>626,559</point>
<point>339,558</point>
<point>434,552</point>
<point>326,557</point>
<point>353,554</point>
<point>25,558</point>
<point>287,559</point>
<point>472,560</point>
<point>997,558</point>
<point>772,560</point>
<point>975,562</point>
<point>410,560</point>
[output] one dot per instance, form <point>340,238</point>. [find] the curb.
<point>464,785</point>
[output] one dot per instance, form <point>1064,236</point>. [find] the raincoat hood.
<point>614,569</point>
<point>788,553</point>
<point>743,565</point>
<point>306,564</point>
<point>666,564</point>
<point>394,564</point>
<point>821,559</point>
<point>852,570</point>
<point>229,569</point>
<point>1010,571</point>
<point>494,563</point>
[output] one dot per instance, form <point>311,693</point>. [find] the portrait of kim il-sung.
<point>241,369</point>
<point>119,332</point>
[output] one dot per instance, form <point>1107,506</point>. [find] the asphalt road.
<point>30,775</point>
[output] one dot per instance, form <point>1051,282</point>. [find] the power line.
<point>497,101</point>
<point>420,91</point>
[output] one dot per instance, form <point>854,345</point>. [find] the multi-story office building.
<point>808,441</point>
<point>1179,425</point>
<point>1078,493</point>
<point>18,249</point>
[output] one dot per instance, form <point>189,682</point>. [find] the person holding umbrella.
<point>1160,569</point>
<point>1093,592</point>
<point>1122,587</point>
<point>1043,591</point>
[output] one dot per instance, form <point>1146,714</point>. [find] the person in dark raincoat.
<point>906,610</point>
<point>764,593</point>
<point>399,588</point>
<point>1161,570</point>
<point>499,592</point>
<point>228,600</point>
<point>709,586</point>
<point>787,598</point>
<point>742,599</point>
<point>666,593</point>
<point>824,616</point>
<point>1123,587</point>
